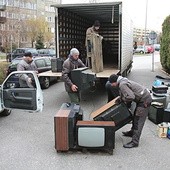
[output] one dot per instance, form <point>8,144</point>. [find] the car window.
<point>33,51</point>
<point>41,51</point>
<point>40,63</point>
<point>140,47</point>
<point>48,61</point>
<point>17,51</point>
<point>15,61</point>
<point>52,51</point>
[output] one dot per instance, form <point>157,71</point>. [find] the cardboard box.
<point>162,129</point>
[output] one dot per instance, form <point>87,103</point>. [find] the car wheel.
<point>141,52</point>
<point>5,112</point>
<point>45,82</point>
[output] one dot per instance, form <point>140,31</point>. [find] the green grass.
<point>2,57</point>
<point>3,68</point>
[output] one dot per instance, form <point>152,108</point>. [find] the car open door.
<point>17,95</point>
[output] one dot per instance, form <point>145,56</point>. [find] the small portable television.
<point>96,135</point>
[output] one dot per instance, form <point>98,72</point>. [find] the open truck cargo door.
<point>17,95</point>
<point>116,28</point>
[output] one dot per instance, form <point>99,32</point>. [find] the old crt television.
<point>119,113</point>
<point>96,135</point>
<point>83,78</point>
<point>156,112</point>
<point>65,126</point>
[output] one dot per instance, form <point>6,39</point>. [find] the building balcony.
<point>2,20</point>
<point>2,7</point>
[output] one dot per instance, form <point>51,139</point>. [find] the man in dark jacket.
<point>132,91</point>
<point>26,63</point>
<point>72,62</point>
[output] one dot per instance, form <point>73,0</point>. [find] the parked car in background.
<point>157,47</point>
<point>150,48</point>
<point>19,52</point>
<point>141,49</point>
<point>46,52</point>
<point>43,64</point>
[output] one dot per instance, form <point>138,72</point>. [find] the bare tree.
<point>37,26</point>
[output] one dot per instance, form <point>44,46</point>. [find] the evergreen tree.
<point>39,41</point>
<point>165,45</point>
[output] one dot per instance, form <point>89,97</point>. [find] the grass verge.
<point>3,68</point>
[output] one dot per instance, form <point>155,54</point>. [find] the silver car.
<point>141,49</point>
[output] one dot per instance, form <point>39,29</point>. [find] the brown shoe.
<point>128,133</point>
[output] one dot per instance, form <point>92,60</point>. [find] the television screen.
<point>91,136</point>
<point>96,135</point>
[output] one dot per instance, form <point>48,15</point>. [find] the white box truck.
<point>72,21</point>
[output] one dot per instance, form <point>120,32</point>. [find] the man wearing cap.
<point>132,91</point>
<point>94,29</point>
<point>26,63</point>
<point>72,62</point>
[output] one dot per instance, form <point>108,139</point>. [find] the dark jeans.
<point>112,92</point>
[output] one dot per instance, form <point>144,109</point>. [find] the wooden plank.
<point>103,108</point>
<point>103,74</point>
<point>95,123</point>
<point>50,74</point>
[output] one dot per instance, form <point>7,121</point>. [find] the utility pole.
<point>146,16</point>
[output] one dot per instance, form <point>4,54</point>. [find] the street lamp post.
<point>11,39</point>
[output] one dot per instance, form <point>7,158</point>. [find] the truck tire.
<point>45,82</point>
<point>5,112</point>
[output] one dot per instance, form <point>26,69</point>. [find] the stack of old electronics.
<point>160,109</point>
<point>71,132</point>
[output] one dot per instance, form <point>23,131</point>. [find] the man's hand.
<point>74,88</point>
<point>29,80</point>
<point>128,104</point>
<point>118,100</point>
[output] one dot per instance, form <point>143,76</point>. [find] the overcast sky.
<point>157,11</point>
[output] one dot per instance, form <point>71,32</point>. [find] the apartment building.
<point>141,37</point>
<point>17,12</point>
<point>2,19</point>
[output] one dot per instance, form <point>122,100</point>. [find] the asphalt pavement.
<point>27,139</point>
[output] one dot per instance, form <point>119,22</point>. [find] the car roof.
<point>26,48</point>
<point>34,58</point>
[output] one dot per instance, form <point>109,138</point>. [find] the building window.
<point>10,2</point>
<point>49,19</point>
